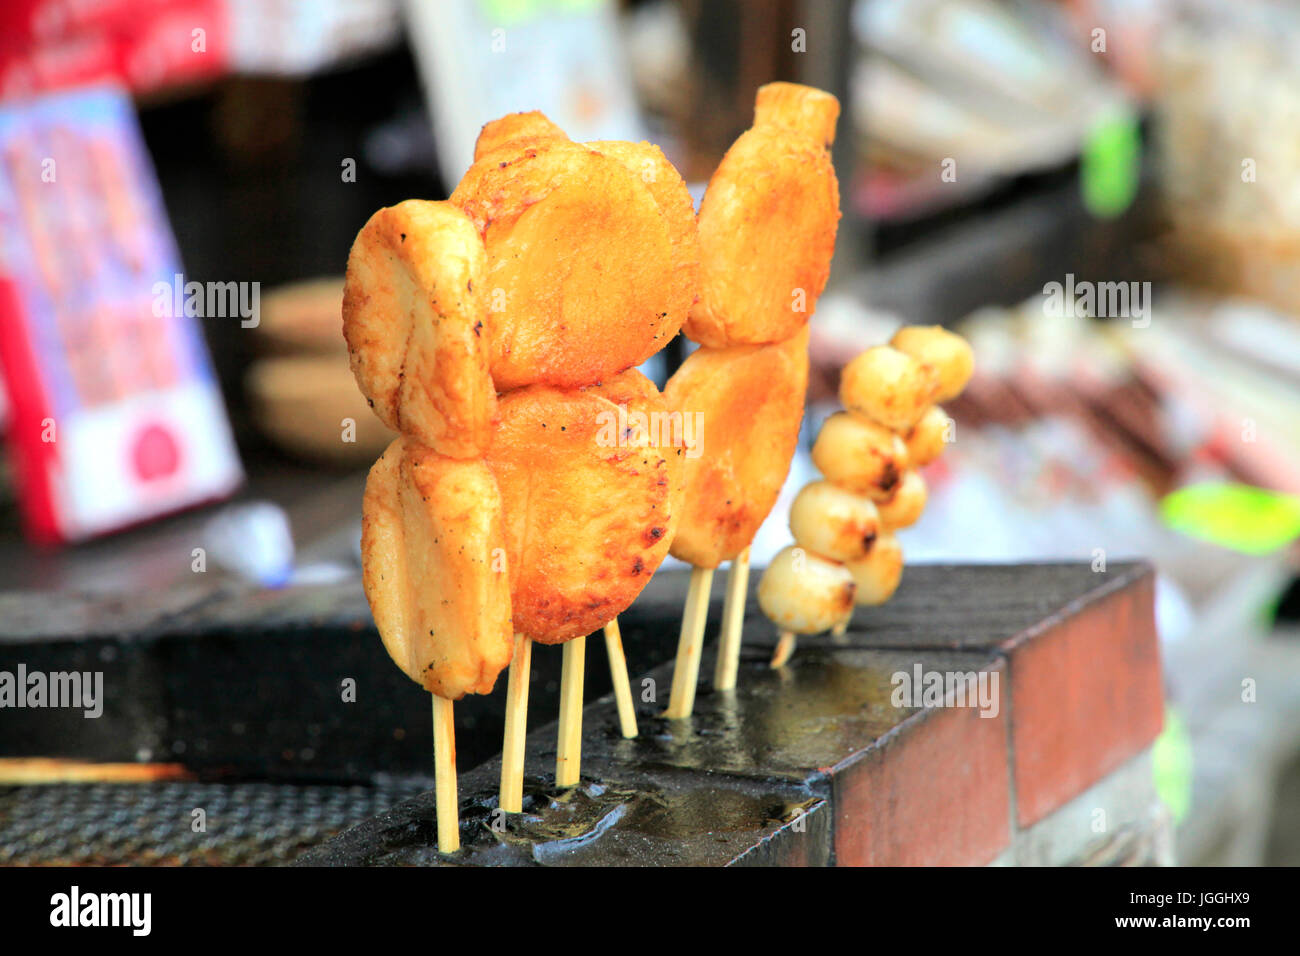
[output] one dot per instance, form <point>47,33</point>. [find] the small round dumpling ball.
<point>833,522</point>
<point>860,456</point>
<point>888,386</point>
<point>877,575</point>
<point>928,437</point>
<point>805,594</point>
<point>947,352</point>
<point>907,504</point>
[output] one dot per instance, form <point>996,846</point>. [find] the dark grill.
<point>150,824</point>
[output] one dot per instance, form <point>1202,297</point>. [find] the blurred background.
<point>1102,195</point>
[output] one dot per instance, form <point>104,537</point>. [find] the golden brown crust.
<point>860,456</point>
<point>580,264</point>
<point>752,400</point>
<point>435,569</point>
<point>947,352</point>
<point>888,387</point>
<point>589,507</point>
<point>832,522</point>
<point>926,441</point>
<point>416,326</point>
<point>767,233</point>
<point>806,110</point>
<point>648,163</point>
<point>767,228</point>
<point>516,130</point>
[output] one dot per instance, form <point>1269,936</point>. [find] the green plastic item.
<point>1241,517</point>
<point>511,12</point>
<point>1111,164</point>
<point>515,12</point>
<point>1171,758</point>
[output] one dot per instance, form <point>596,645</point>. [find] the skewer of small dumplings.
<point>845,551</point>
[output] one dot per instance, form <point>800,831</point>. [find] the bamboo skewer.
<point>512,749</point>
<point>784,648</point>
<point>687,670</point>
<point>444,772</point>
<point>618,675</point>
<point>733,623</point>
<point>568,753</point>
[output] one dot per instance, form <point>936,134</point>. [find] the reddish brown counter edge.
<point>933,792</point>
<point>1085,695</point>
<point>1082,659</point>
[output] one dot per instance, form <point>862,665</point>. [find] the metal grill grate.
<point>153,824</point>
